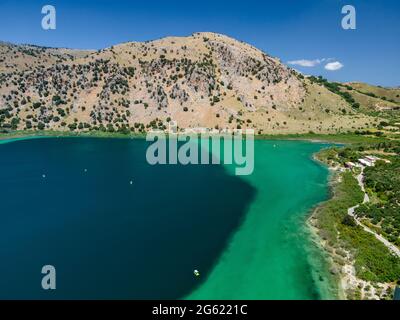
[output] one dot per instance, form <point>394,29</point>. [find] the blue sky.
<point>289,29</point>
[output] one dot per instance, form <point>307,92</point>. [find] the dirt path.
<point>351,210</point>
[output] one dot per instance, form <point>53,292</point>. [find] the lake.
<point>115,227</point>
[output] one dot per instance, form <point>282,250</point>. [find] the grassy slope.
<point>369,103</point>
<point>388,93</point>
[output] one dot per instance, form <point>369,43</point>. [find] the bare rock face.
<point>207,80</point>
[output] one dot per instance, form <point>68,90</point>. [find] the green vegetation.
<point>346,138</point>
<point>373,261</point>
<point>54,133</point>
<point>383,182</point>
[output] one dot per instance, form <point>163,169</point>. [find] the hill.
<point>204,80</point>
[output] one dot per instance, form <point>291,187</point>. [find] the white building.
<point>366,162</point>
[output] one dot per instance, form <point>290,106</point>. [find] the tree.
<point>349,221</point>
<point>14,123</point>
<point>72,126</point>
<point>37,105</point>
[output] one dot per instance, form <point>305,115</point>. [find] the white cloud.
<point>334,66</point>
<point>306,63</point>
<point>310,63</point>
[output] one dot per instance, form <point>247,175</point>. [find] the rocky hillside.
<point>204,80</point>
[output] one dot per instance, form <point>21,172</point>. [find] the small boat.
<point>196,273</point>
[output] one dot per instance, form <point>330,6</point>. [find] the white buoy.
<point>43,176</point>
<point>85,170</point>
<point>131,182</point>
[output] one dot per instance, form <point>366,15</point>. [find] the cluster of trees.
<point>373,262</point>
<point>384,180</point>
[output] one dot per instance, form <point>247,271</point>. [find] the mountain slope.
<point>386,94</point>
<point>207,80</point>
<point>25,57</point>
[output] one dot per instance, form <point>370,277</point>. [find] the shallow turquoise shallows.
<point>272,255</point>
<point>116,227</point>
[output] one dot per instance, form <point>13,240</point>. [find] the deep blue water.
<point>106,237</point>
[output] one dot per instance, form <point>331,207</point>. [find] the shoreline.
<point>316,239</point>
<point>341,259</point>
<point>312,229</point>
<point>344,274</point>
<point>341,138</point>
<point>65,134</point>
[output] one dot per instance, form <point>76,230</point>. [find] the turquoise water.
<point>272,256</point>
<point>116,227</point>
